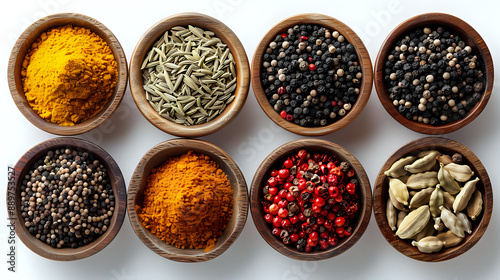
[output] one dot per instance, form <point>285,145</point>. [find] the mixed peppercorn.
<point>67,199</point>
<point>433,77</point>
<point>311,201</point>
<point>311,75</point>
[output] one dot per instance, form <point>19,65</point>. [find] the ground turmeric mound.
<point>187,202</point>
<point>69,75</point>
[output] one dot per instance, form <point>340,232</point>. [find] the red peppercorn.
<point>272,183</point>
<point>315,227</point>
<point>282,203</point>
<point>286,223</point>
<point>284,35</point>
<point>333,241</point>
<point>331,217</point>
<point>315,208</point>
<point>339,198</point>
<point>301,217</point>
<point>308,248</point>
<point>302,234</point>
<point>310,59</point>
<point>283,212</point>
<point>311,242</point>
<point>332,179</point>
<point>314,236</point>
<point>323,244</point>
<point>273,209</point>
<point>276,199</point>
<point>276,231</point>
<point>283,173</point>
<point>294,219</point>
<point>281,90</point>
<point>350,173</point>
<point>324,235</point>
<point>323,212</point>
<point>277,221</point>
<point>350,188</point>
<point>268,218</point>
<point>282,193</point>
<point>319,201</point>
<point>339,230</point>
<point>302,154</point>
<point>340,221</point>
<point>290,197</point>
<point>312,67</point>
<point>283,114</point>
<point>328,224</point>
<point>294,237</point>
<point>288,163</point>
<point>289,117</point>
<point>302,38</point>
<point>333,191</point>
<point>320,220</point>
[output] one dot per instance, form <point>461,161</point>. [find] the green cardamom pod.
<point>390,213</point>
<point>397,168</point>
<point>465,194</point>
<point>399,190</point>
<point>420,198</point>
<point>449,239</point>
<point>414,222</point>
<point>429,244</point>
<point>422,180</point>
<point>446,181</point>
<point>422,164</point>
<point>475,205</point>
<point>452,222</point>
<point>459,172</point>
<point>436,201</point>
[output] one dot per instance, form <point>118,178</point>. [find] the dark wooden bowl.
<point>242,68</point>
<point>380,196</point>
<point>278,156</point>
<point>175,147</point>
<point>118,184</point>
<point>351,37</point>
<point>23,44</point>
<point>455,25</point>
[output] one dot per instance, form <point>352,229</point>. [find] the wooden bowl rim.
<point>228,37</point>
<point>57,20</point>
<point>351,37</point>
<point>463,29</point>
<point>119,190</point>
<point>404,247</point>
<point>311,145</point>
<point>240,199</point>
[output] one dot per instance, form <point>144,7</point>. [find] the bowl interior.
<point>274,160</point>
<point>381,195</point>
<point>455,26</point>
<point>117,183</point>
<point>222,32</point>
<point>155,157</point>
<point>22,47</point>
<point>351,37</point>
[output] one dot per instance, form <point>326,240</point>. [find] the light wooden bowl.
<point>23,44</point>
<point>276,158</point>
<point>242,68</point>
<point>351,37</point>
<point>175,147</point>
<point>455,25</point>
<point>14,190</point>
<point>380,196</point>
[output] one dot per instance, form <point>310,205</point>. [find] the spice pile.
<point>67,199</point>
<point>432,192</point>
<point>187,202</point>
<point>69,75</point>
<point>311,75</point>
<point>433,77</point>
<point>311,202</point>
<point>189,75</point>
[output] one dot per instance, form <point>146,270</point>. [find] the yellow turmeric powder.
<point>68,75</point>
<point>187,202</point>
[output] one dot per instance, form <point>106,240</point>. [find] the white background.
<point>372,137</point>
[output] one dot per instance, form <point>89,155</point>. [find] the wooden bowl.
<point>456,26</point>
<point>175,147</point>
<point>21,48</point>
<point>16,177</point>
<point>351,37</point>
<point>242,68</point>
<point>380,196</point>
<point>276,158</point>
